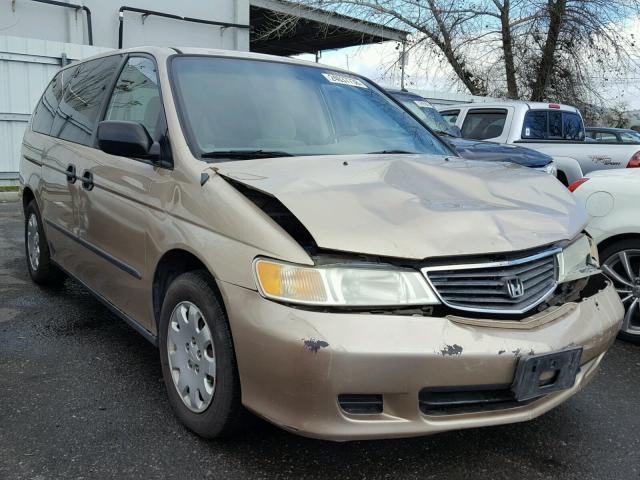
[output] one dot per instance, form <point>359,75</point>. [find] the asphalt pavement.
<point>81,396</point>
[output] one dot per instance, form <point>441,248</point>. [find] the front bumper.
<point>294,363</point>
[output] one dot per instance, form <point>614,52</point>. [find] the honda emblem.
<point>515,287</point>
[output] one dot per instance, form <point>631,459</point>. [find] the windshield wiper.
<point>442,132</point>
<point>245,154</point>
<point>392,151</point>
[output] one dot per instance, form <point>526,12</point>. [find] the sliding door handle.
<point>71,174</point>
<point>87,180</point>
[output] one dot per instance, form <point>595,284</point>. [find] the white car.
<point>551,128</point>
<point>612,198</point>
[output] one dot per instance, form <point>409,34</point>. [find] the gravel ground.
<point>81,397</point>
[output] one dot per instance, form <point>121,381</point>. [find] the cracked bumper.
<point>294,363</point>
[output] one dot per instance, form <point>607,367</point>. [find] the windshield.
<point>239,108</point>
<point>425,112</point>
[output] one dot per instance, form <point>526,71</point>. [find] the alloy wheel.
<point>33,242</point>
<point>191,353</point>
<point>623,268</point>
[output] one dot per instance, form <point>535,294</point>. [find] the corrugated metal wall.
<point>26,66</point>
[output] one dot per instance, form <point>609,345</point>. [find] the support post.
<point>403,63</point>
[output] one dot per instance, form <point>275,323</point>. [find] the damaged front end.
<point>364,343</point>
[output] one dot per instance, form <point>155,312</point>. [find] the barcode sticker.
<point>344,79</point>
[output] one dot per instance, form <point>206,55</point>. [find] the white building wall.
<point>27,18</point>
<point>26,67</point>
<point>35,35</point>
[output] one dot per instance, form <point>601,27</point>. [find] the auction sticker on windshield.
<point>344,80</point>
<point>423,104</point>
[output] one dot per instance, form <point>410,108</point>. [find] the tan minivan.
<point>298,245</point>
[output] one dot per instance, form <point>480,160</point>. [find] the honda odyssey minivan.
<point>300,246</point>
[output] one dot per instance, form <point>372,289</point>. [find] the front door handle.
<point>71,174</point>
<point>87,180</point>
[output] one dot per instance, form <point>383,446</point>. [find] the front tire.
<point>621,263</point>
<point>41,268</point>
<point>197,357</point>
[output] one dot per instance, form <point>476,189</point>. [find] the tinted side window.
<point>535,125</point>
<point>136,97</point>
<point>46,110</point>
<point>481,124</point>
<point>450,116</point>
<point>572,126</point>
<point>78,112</point>
<point>553,125</point>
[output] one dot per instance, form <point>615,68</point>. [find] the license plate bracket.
<point>538,375</point>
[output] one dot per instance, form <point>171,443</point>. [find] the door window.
<point>481,124</point>
<point>606,137</point>
<point>628,137</point>
<point>450,116</point>
<point>82,100</point>
<point>136,96</point>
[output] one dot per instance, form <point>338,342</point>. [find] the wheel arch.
<point>607,242</point>
<point>173,263</point>
<point>27,197</point>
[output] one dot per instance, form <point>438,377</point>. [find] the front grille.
<point>510,286</point>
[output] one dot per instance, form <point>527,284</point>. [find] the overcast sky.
<point>376,61</point>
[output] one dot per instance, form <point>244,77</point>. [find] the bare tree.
<point>526,49</point>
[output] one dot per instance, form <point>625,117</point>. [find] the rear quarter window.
<point>81,104</point>
<point>482,124</point>
<point>45,111</point>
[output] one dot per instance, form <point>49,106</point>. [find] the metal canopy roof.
<point>314,31</point>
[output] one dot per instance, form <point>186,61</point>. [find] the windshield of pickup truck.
<point>234,109</point>
<point>425,112</point>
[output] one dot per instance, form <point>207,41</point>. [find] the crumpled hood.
<point>479,150</point>
<point>416,206</point>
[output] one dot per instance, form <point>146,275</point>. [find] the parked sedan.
<point>471,148</point>
<point>612,197</point>
<point>613,135</point>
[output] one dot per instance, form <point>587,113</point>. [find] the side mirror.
<point>126,139</point>
<point>456,131</point>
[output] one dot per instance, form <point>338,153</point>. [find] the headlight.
<point>551,169</point>
<point>579,259</point>
<point>342,285</point>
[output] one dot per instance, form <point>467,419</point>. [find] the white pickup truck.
<point>551,128</point>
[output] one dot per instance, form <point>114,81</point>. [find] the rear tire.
<point>41,268</point>
<point>198,360</point>
<point>628,287</point>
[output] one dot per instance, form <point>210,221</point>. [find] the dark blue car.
<point>468,148</point>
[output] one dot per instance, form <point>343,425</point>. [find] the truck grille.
<point>510,286</point>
